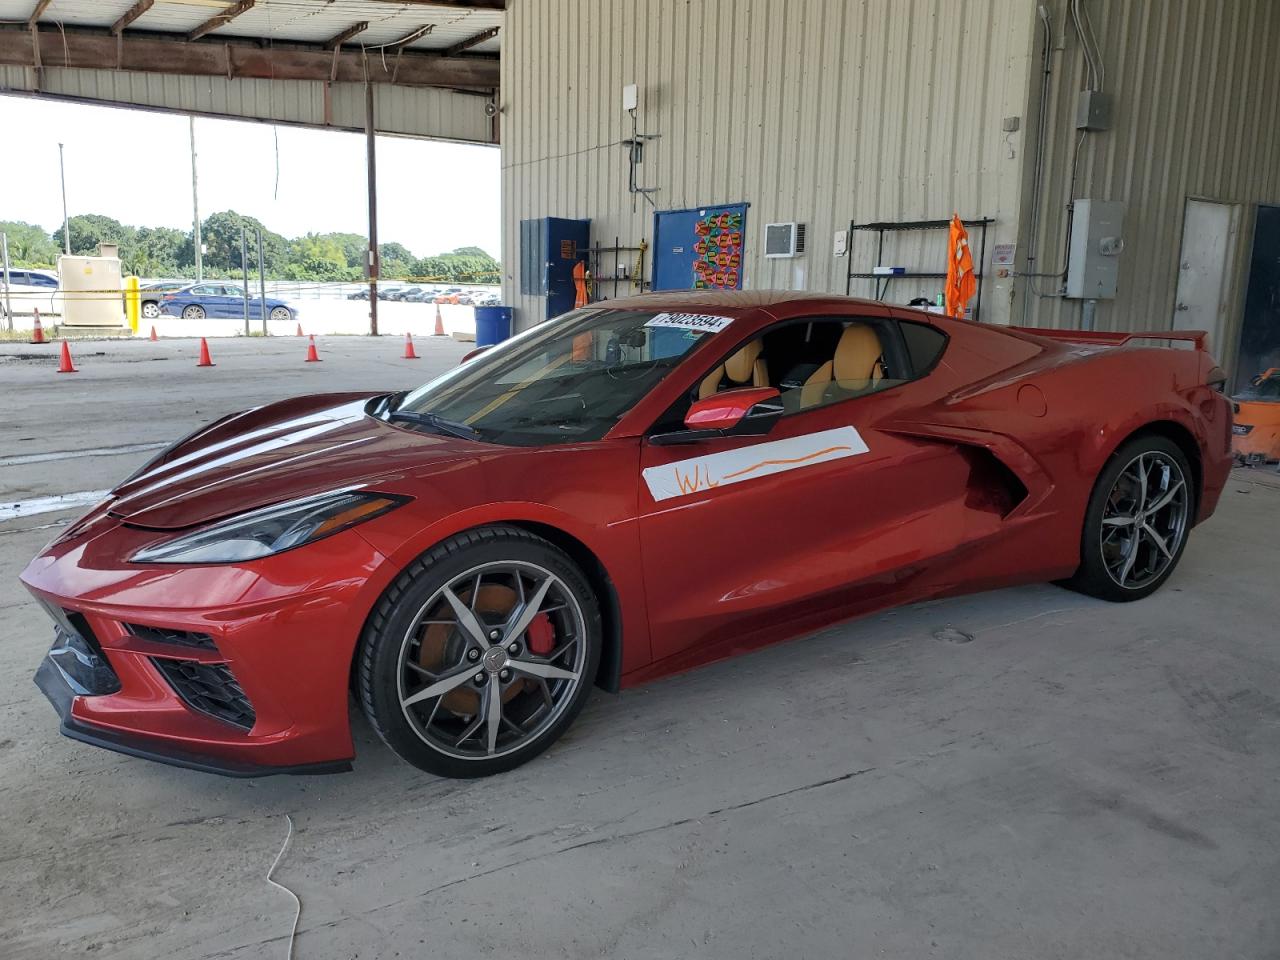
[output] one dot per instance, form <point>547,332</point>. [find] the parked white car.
<point>31,290</point>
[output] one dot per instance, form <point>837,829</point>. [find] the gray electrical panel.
<point>1097,240</point>
<point>1093,110</point>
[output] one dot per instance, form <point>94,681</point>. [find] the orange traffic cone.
<point>154,338</point>
<point>205,359</point>
<point>439,331</point>
<point>312,356</point>
<point>37,335</point>
<point>65,365</point>
<point>299,333</point>
<point>409,353</point>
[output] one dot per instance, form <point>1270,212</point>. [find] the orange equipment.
<point>1256,433</point>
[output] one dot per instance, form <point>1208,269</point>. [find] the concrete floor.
<point>1079,780</point>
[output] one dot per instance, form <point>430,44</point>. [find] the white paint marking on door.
<point>11,510</point>
<point>53,455</point>
<point>699,474</point>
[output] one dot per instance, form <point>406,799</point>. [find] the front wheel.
<point>281,314</point>
<point>481,653</point>
<point>1137,522</point>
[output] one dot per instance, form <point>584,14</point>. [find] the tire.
<point>151,310</point>
<point>280,314</point>
<point>1115,518</point>
<point>193,312</point>
<point>416,640</point>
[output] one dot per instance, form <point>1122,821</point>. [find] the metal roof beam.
<point>221,19</point>
<point>461,45</point>
<point>451,4</point>
<point>408,38</point>
<point>149,53</point>
<point>346,35</point>
<point>40,7</point>
<point>130,15</point>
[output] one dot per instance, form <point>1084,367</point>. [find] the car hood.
<point>277,453</point>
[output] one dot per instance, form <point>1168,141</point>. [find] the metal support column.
<point>197,240</point>
<point>244,272</point>
<point>374,263</point>
<point>262,287</point>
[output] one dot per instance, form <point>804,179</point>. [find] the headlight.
<point>271,530</point>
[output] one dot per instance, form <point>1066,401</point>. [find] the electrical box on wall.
<point>1097,240</point>
<point>1093,111</point>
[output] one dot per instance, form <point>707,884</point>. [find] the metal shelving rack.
<point>895,226</point>
<point>596,255</point>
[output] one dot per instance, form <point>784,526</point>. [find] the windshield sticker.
<point>701,322</point>
<point>700,474</point>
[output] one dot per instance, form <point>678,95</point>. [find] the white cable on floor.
<point>298,903</point>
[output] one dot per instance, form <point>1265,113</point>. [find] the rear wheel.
<point>151,310</point>
<point>193,312</point>
<point>1136,526</point>
<point>481,653</point>
<point>281,314</point>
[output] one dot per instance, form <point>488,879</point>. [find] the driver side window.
<point>823,360</point>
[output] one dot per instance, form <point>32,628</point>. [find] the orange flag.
<point>961,283</point>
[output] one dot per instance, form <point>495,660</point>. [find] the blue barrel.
<point>493,325</point>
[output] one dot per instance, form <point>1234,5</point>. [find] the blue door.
<point>699,249</point>
<point>564,244</point>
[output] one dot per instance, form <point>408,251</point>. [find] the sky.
<point>135,166</point>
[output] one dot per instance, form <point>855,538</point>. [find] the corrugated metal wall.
<point>416,111</point>
<point>819,111</point>
<point>1197,114</point>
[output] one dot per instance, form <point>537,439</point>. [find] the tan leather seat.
<point>856,365</point>
<point>744,368</point>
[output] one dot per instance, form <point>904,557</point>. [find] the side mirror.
<point>744,412</point>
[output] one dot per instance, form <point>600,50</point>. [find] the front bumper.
<point>61,691</point>
<point>263,687</point>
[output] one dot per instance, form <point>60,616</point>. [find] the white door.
<point>1204,268</point>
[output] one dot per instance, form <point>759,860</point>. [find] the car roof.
<point>737,300</point>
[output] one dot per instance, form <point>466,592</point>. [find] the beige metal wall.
<point>1197,114</point>
<point>819,111</point>
<point>418,111</point>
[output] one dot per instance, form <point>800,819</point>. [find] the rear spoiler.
<point>1107,338</point>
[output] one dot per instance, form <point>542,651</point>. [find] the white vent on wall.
<point>783,240</point>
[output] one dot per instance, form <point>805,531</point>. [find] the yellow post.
<point>132,302</point>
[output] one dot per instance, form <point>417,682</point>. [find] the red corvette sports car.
<point>629,490</point>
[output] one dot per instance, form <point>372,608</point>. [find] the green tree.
<point>90,229</point>
<point>220,233</point>
<point>158,252</point>
<point>319,257</point>
<point>29,245</point>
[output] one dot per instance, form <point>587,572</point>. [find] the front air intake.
<point>208,688</point>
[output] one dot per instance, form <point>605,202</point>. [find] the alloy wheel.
<point>492,660</point>
<point>1144,521</point>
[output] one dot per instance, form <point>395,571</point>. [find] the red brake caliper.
<point>541,635</point>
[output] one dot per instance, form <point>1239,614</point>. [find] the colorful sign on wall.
<point>717,263</point>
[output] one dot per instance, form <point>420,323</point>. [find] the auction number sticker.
<point>701,322</point>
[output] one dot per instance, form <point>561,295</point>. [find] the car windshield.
<point>566,381</point>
